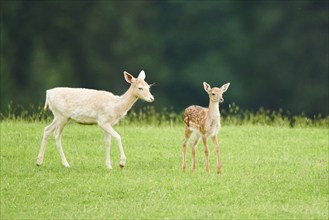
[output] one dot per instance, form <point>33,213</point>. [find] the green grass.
<point>268,173</point>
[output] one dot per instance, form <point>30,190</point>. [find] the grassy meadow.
<point>269,172</point>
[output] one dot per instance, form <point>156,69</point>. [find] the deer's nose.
<point>151,98</point>
<point>221,100</point>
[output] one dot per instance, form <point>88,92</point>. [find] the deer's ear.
<point>225,87</point>
<point>206,87</point>
<point>128,77</point>
<point>141,75</point>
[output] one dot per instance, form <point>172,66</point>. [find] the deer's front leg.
<point>206,152</point>
<point>108,129</point>
<point>219,165</point>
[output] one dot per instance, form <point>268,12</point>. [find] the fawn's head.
<point>215,94</point>
<point>139,87</point>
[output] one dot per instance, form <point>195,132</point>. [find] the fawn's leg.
<point>206,152</point>
<point>219,165</point>
<point>187,136</point>
<point>194,145</point>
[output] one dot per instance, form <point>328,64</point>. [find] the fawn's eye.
<point>140,89</point>
<point>212,93</point>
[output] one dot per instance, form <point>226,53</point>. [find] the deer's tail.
<point>46,103</point>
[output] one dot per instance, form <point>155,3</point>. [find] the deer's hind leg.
<point>47,132</point>
<point>108,150</point>
<point>188,133</point>
<point>194,146</point>
<point>58,137</point>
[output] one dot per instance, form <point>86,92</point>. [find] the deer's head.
<point>215,93</point>
<point>139,87</point>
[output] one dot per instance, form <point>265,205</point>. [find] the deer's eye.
<point>213,94</point>
<point>140,89</point>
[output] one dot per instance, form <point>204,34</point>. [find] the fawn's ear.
<point>206,87</point>
<point>141,75</point>
<point>225,87</point>
<point>128,77</point>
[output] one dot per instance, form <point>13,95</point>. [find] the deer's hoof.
<point>66,164</point>
<point>122,162</point>
<point>39,161</point>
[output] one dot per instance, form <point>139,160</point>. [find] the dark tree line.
<point>274,53</point>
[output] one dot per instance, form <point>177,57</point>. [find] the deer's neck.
<point>126,101</point>
<point>213,110</point>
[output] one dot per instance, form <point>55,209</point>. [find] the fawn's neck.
<point>213,110</point>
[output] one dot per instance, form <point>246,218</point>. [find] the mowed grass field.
<point>268,173</point>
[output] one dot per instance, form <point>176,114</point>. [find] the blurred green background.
<point>274,53</point>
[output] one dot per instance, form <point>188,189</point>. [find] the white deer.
<point>89,106</point>
<point>204,122</point>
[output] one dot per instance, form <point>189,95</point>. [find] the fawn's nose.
<point>221,100</point>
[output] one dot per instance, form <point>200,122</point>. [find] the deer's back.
<point>79,102</point>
